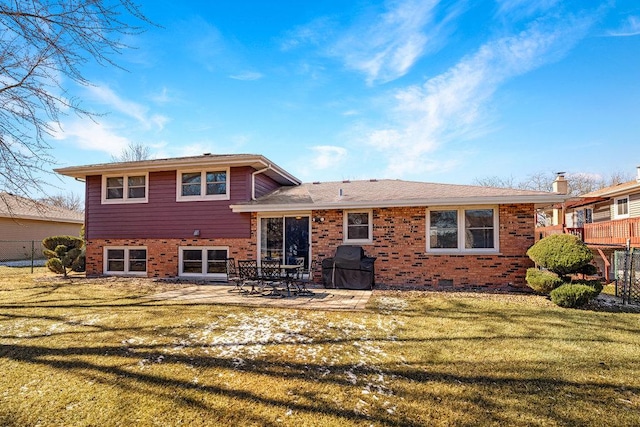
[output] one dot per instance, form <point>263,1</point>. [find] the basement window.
<point>126,260</point>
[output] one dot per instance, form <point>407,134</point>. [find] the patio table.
<point>289,273</point>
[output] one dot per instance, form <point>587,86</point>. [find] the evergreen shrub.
<point>572,295</point>
<point>562,254</point>
<point>542,281</point>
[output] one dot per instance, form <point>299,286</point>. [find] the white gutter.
<point>469,201</point>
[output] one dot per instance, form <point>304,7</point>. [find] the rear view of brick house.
<point>182,217</point>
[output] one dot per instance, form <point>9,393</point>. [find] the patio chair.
<point>234,277</point>
<point>270,277</point>
<point>248,273</point>
<point>303,278</point>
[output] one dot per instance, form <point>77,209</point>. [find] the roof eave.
<point>280,207</point>
<point>41,218</point>
<point>256,161</point>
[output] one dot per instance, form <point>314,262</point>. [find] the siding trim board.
<point>634,205</point>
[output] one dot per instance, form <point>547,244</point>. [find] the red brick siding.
<point>400,247</point>
<point>163,254</point>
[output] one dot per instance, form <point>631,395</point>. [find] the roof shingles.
<point>388,192</point>
<point>12,206</point>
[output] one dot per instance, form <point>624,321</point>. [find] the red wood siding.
<point>162,217</point>
<point>265,185</point>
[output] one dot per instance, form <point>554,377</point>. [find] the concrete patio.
<point>321,299</point>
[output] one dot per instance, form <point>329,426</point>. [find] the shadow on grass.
<point>486,389</point>
<point>484,399</point>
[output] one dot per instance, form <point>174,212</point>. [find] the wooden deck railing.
<point>614,232</point>
<point>542,232</point>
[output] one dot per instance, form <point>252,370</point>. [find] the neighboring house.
<point>23,221</point>
<point>606,220</point>
<point>184,216</point>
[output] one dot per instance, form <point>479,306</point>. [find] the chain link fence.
<point>21,253</point>
<point>627,269</point>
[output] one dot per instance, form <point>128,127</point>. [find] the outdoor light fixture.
<point>196,233</point>
<point>318,219</point>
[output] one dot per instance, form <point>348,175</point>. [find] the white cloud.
<point>327,156</point>
<point>107,96</point>
<point>451,107</point>
<point>89,135</point>
<point>523,8</point>
<point>631,27</point>
<point>387,48</point>
<point>162,97</point>
<point>313,33</point>
<point>247,76</point>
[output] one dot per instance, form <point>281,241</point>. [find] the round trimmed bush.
<point>561,253</point>
<point>573,295</point>
<point>595,284</point>
<point>542,281</point>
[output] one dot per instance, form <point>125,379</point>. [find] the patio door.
<point>285,238</point>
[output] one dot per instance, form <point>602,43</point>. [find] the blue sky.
<point>443,91</point>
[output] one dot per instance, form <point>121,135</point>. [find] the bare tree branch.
<point>70,201</point>
<point>44,45</point>
<point>133,153</point>
<point>579,183</point>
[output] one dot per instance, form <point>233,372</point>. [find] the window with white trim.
<point>204,261</point>
<point>202,185</point>
<point>125,260</point>
<point>358,227</point>
<point>462,230</point>
<point>621,207</point>
<point>125,188</point>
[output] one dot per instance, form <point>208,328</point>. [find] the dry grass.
<point>83,352</point>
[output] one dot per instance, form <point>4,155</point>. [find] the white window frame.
<point>461,249</point>
<point>126,272</point>
<point>125,189</point>
<point>203,185</point>
<point>615,208</point>
<point>203,273</point>
<point>345,226</point>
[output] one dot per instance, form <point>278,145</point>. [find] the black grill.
<point>350,268</point>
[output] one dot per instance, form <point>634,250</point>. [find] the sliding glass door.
<point>285,238</point>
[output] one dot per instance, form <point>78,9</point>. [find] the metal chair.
<point>303,278</point>
<point>270,276</point>
<point>234,277</point>
<point>248,273</point>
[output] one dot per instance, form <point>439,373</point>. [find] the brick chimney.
<point>561,185</point>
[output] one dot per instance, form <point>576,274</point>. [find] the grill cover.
<point>350,268</point>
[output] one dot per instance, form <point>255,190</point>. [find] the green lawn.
<point>98,353</point>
